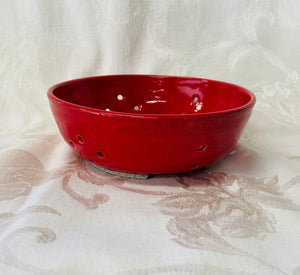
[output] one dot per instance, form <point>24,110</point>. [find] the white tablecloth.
<point>58,215</point>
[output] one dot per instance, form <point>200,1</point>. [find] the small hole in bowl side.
<point>100,155</point>
<point>80,139</point>
<point>107,109</point>
<point>136,108</point>
<point>120,97</point>
<point>194,166</point>
<point>202,148</point>
<point>71,143</point>
<point>195,98</point>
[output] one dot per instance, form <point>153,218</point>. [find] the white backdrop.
<point>60,216</point>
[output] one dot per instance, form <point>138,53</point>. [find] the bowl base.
<point>120,174</point>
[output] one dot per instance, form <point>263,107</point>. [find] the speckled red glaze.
<point>156,124</point>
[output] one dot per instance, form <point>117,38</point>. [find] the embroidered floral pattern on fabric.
<point>216,202</point>
<point>207,208</point>
<point>213,207</point>
<point>22,171</point>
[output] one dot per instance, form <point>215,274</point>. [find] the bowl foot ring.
<point>120,174</point>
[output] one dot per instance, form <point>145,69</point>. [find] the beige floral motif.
<point>8,218</point>
<point>43,235</point>
<point>215,206</point>
<point>22,171</point>
<point>87,174</point>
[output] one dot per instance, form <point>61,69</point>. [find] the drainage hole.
<point>195,99</point>
<point>202,148</point>
<point>80,139</point>
<point>194,166</point>
<point>107,109</point>
<point>120,97</point>
<point>100,155</point>
<point>136,108</point>
<point>71,143</point>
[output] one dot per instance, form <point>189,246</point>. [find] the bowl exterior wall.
<point>145,145</point>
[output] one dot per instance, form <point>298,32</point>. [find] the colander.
<point>150,124</point>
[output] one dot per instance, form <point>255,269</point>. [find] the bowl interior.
<point>153,94</point>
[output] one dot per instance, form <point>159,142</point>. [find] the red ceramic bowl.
<point>148,124</point>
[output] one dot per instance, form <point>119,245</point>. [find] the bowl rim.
<point>83,108</point>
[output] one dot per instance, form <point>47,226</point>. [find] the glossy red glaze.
<point>149,124</point>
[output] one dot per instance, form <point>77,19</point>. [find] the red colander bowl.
<point>149,124</point>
